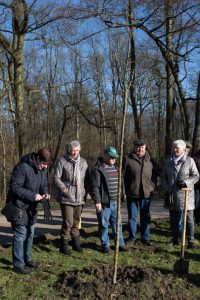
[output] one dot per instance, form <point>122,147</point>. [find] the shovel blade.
<point>181,268</point>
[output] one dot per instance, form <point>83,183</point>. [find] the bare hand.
<point>46,196</point>
<point>98,207</point>
<point>38,197</point>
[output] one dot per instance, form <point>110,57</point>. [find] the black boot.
<point>64,247</point>
<point>76,245</point>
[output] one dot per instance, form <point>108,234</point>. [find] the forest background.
<point>66,68</point>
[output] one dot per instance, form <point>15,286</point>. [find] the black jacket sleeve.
<point>18,184</point>
<point>95,184</point>
<point>44,183</point>
<point>87,181</point>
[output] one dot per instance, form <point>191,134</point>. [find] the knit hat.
<point>111,151</point>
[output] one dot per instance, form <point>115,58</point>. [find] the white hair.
<point>73,144</point>
<point>179,143</point>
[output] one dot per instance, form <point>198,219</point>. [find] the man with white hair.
<point>71,178</point>
<point>180,171</point>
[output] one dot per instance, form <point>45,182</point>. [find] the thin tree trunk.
<point>60,136</point>
<point>77,125</point>
<point>125,103</point>
<point>125,90</point>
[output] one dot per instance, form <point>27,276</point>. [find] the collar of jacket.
<point>134,156</point>
<point>99,165</point>
<point>31,159</point>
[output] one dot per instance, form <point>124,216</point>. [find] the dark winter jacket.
<point>26,182</point>
<point>139,176</point>
<point>99,184</point>
<point>196,158</point>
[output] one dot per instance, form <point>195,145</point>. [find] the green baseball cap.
<point>111,151</point>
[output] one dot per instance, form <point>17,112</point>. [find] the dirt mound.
<point>132,283</point>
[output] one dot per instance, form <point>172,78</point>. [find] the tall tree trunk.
<point>125,103</point>
<point>49,113</point>
<point>132,73</point>
<point>196,136</point>
<point>170,82</point>
<point>77,125</point>
<point>19,94</point>
<point>115,85</point>
<point>3,154</point>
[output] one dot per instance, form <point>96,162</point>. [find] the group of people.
<point>73,182</point>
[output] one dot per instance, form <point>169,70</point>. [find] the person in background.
<point>196,158</point>
<point>104,192</point>
<point>140,178</point>
<point>71,178</point>
<point>188,149</point>
<point>180,171</point>
<point>28,187</point>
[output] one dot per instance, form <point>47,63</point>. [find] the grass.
<point>41,284</point>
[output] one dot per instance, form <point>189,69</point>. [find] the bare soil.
<point>132,283</point>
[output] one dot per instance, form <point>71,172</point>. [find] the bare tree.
<point>170,80</point>
<point>196,137</point>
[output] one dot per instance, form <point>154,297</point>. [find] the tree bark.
<point>196,136</point>
<point>19,93</point>
<point>132,72</point>
<point>170,82</point>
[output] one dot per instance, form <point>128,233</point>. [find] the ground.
<point>144,272</point>
<point>132,283</point>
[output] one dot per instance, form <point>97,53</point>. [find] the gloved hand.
<point>181,184</point>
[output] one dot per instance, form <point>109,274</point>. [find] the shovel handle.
<point>186,190</point>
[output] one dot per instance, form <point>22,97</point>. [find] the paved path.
<point>88,219</point>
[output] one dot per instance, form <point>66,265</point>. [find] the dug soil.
<point>132,283</point>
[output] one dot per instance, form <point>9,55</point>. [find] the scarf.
<point>176,159</point>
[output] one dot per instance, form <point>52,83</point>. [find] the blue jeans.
<point>133,206</point>
<point>107,216</point>
<point>22,244</point>
<point>175,222</point>
<point>180,220</point>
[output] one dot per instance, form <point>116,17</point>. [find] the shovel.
<point>181,266</point>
